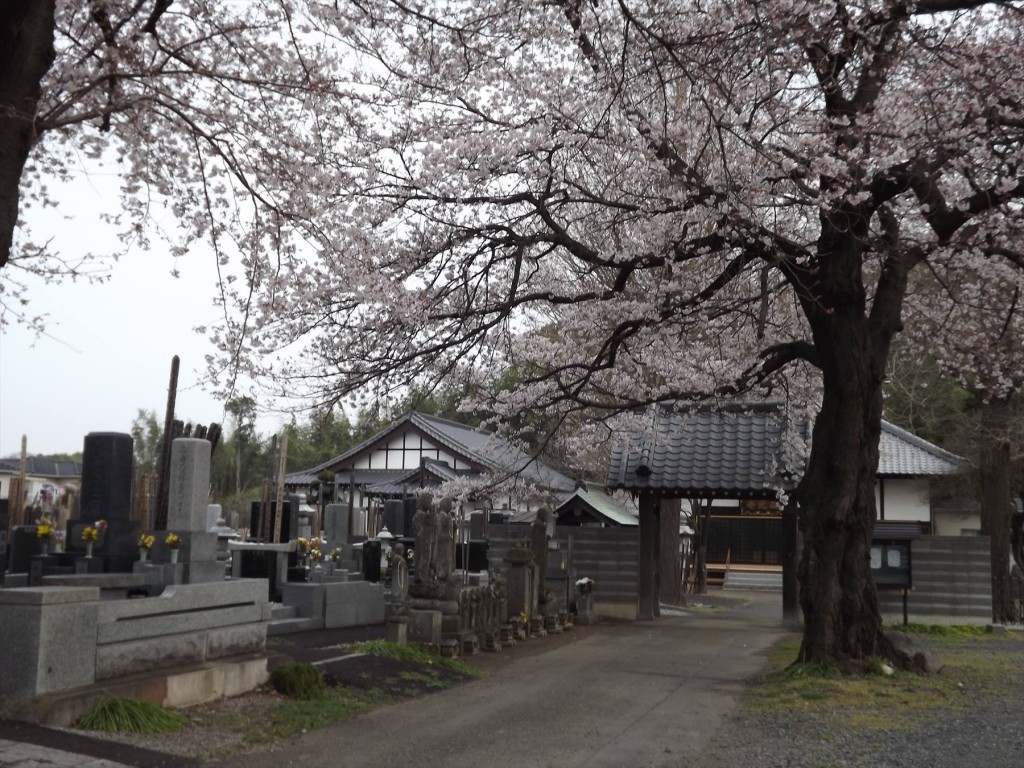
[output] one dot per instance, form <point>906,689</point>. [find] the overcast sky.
<point>109,348</point>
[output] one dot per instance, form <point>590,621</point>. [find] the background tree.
<point>708,199</point>
<point>148,436</point>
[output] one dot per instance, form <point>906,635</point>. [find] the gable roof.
<point>480,448</point>
<point>614,510</point>
<point>735,450</point>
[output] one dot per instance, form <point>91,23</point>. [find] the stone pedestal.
<point>398,630</point>
<point>425,627</point>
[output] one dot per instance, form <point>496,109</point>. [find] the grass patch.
<point>291,717</point>
<point>940,630</point>
<point>428,678</point>
<point>977,666</point>
<point>131,716</point>
<point>416,654</point>
<point>299,681</point>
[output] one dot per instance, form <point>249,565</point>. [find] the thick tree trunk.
<point>26,53</point>
<point>837,590</point>
<point>671,565</point>
<point>997,507</point>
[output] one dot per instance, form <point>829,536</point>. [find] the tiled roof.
<point>901,453</point>
<point>734,450</point>
<point>712,450</point>
<point>42,466</point>
<point>437,472</point>
<point>474,445</point>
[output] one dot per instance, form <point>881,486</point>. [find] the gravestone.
<point>394,516</point>
<point>539,548</point>
<point>336,518</point>
<point>408,513</point>
<point>189,487</point>
<point>24,546</point>
<point>107,460</point>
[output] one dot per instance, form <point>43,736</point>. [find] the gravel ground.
<point>984,728</point>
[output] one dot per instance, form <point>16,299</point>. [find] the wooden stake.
<point>163,479</point>
<point>282,461</point>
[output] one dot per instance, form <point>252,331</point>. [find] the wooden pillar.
<point>647,585</point>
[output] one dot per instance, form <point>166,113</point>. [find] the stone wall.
<point>952,583</point>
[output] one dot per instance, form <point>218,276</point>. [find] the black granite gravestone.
<point>106,477</point>
<point>24,546</point>
<point>394,516</point>
<point>289,523</point>
<point>408,511</point>
<point>477,556</point>
<point>260,565</point>
<point>371,560</point>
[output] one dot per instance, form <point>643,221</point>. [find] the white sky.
<point>110,346</point>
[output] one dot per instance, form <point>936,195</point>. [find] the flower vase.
<point>143,555</point>
<point>88,548</point>
<point>174,555</point>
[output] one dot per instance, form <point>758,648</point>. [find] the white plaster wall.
<point>905,500</point>
<point>954,524</point>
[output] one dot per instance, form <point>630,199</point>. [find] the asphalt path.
<point>626,694</point>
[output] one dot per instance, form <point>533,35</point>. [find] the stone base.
<point>353,604</point>
<point>506,636</point>
<point>449,649</point>
<point>470,645</point>
<point>398,631</point>
<point>491,641</point>
<point>425,627</point>
<point>537,627</point>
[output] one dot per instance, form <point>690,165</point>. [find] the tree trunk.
<point>997,507</point>
<point>26,53</point>
<point>702,523</point>
<point>671,565</point>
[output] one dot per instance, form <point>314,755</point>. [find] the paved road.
<point>631,694</point>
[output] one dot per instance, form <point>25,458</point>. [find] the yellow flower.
<point>173,541</point>
<point>146,541</point>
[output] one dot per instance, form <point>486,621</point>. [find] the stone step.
<point>287,626</point>
<point>280,612</point>
<point>767,582</point>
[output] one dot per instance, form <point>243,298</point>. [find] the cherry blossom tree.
<point>629,203</point>
<point>208,110</point>
<point>639,202</point>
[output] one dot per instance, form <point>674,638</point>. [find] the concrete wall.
<point>952,583</point>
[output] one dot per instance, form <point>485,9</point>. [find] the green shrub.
<point>299,681</point>
<point>131,716</point>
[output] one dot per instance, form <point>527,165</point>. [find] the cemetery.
<point>197,601</point>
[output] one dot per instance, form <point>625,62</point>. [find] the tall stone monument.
<point>189,490</point>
